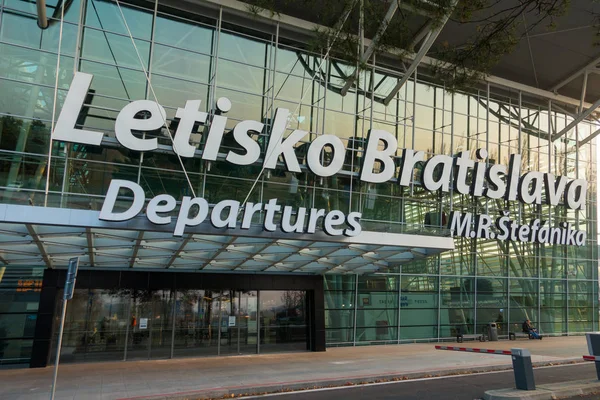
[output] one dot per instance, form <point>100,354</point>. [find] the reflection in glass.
<point>283,321</point>
<point>114,49</point>
<point>197,323</point>
<point>95,326</point>
<point>107,16</point>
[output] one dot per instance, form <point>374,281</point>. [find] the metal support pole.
<point>58,347</point>
<point>128,325</point>
<point>355,308</point>
<point>258,312</point>
<point>67,295</point>
<point>220,322</point>
<point>399,292</point>
<point>173,325</point>
<point>238,320</point>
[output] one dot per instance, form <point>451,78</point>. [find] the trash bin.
<point>492,332</point>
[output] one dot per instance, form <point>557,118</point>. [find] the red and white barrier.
<point>475,350</point>
<point>591,358</point>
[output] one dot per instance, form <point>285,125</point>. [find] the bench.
<point>460,337</point>
<point>515,335</point>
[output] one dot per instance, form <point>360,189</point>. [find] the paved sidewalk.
<point>216,376</point>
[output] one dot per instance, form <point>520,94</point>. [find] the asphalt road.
<point>464,387</point>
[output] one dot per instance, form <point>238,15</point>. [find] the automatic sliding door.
<point>95,325</point>
<point>143,324</point>
<point>150,325</point>
<point>283,321</point>
<point>196,323</point>
<point>138,344</point>
<point>161,326</point>
<point>239,333</point>
<point>248,323</point>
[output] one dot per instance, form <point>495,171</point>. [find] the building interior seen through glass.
<point>103,324</point>
<point>20,289</point>
<point>196,57</point>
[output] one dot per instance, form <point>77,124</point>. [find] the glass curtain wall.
<point>185,57</point>
<point>20,289</point>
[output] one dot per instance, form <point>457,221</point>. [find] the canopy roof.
<point>32,236</point>
<point>552,59</point>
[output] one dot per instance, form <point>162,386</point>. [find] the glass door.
<point>228,322</point>
<point>151,325</point>
<point>196,323</point>
<point>106,324</point>
<point>138,343</point>
<point>248,323</point>
<point>284,324</point>
<point>241,330</point>
<point>161,325</point>
<point>126,324</point>
<point>95,325</point>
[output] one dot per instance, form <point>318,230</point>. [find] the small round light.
<point>224,104</point>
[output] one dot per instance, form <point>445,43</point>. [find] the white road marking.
<point>392,382</point>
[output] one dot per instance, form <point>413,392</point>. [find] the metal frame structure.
<point>592,67</point>
<point>99,245</point>
<point>147,243</point>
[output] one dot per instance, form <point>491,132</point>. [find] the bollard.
<point>523,369</point>
<point>593,342</point>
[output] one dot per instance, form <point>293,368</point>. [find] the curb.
<point>268,388</point>
<point>553,391</point>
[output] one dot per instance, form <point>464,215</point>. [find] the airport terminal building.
<point>229,191</point>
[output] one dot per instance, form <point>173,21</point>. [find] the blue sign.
<point>71,276</point>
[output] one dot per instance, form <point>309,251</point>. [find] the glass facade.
<point>178,56</point>
<point>129,324</point>
<point>19,300</point>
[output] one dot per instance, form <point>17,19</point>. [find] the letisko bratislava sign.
<point>439,173</point>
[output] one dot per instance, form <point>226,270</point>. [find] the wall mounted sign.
<point>195,210</point>
<point>481,226</point>
<point>477,178</point>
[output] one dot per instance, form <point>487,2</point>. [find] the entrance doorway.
<point>123,324</point>
<point>239,323</point>
<point>151,325</point>
<point>221,322</point>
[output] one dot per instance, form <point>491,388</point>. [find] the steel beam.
<point>578,118</point>
<point>429,40</point>
<point>587,139</point>
<point>286,257</point>
<point>369,52</point>
<point>575,74</point>
<point>306,27</point>
<point>537,83</point>
<point>221,250</point>
<point>570,113</point>
<point>90,243</point>
<point>40,245</point>
<point>256,252</point>
<point>420,35</point>
<point>316,258</point>
<point>178,251</point>
<point>42,19</point>
<point>136,248</point>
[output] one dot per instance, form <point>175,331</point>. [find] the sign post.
<point>68,295</point>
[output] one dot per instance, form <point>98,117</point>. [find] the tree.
<point>495,28</point>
